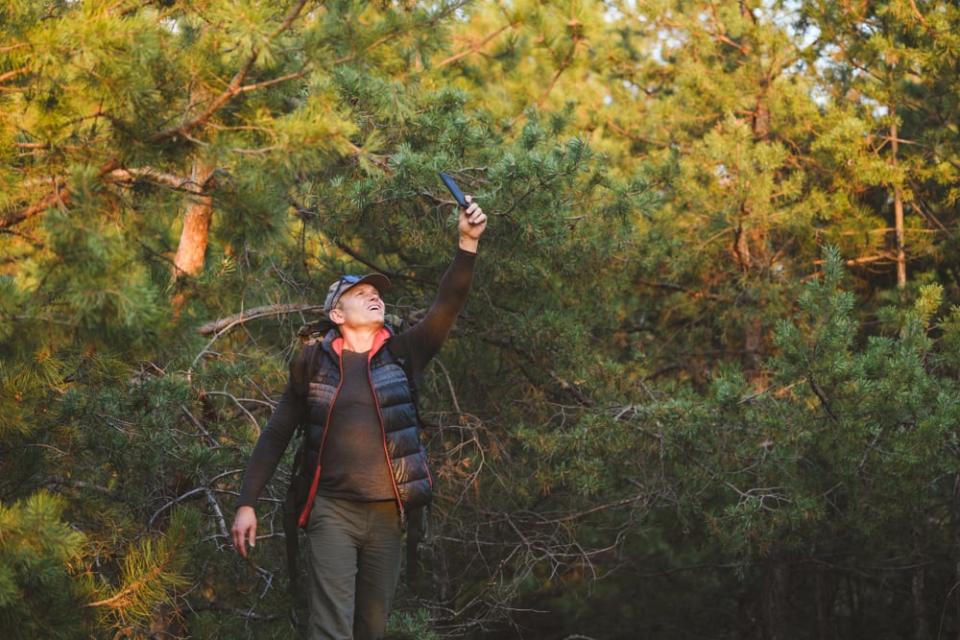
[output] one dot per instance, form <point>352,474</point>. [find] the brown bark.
<point>921,628</point>
<point>825,596</point>
<point>898,214</point>
<point>196,225</point>
<point>956,539</point>
<point>775,586</point>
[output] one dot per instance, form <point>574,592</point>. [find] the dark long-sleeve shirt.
<point>416,346</point>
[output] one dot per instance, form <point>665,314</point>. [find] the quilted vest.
<point>396,409</point>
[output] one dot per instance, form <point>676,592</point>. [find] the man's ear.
<point>337,316</point>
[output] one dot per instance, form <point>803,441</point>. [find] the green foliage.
<point>39,552</point>
<point>415,624</point>
<point>152,572</point>
<point>686,397</point>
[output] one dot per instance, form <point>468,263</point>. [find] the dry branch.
<point>224,324</point>
<point>149,174</point>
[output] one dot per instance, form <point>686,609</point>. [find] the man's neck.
<point>358,339</point>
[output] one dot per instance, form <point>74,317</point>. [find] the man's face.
<point>360,306</point>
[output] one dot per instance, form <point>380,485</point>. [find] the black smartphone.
<point>454,190</point>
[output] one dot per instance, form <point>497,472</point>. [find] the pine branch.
<point>189,494</point>
<point>232,90</point>
<point>823,398</point>
<point>267,83</point>
<point>79,484</point>
<point>235,87</point>
<point>60,195</point>
<point>632,136</point>
<point>123,598</point>
<point>852,262</point>
<point>556,76</point>
<point>149,174</point>
<point>572,389</point>
<point>397,32</point>
<point>213,606</point>
<point>473,48</point>
<point>9,75</point>
<point>218,512</point>
<point>676,287</point>
<point>916,12</point>
<point>369,263</point>
<point>150,582</point>
<point>243,409</point>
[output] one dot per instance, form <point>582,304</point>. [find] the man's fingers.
<point>478,218</point>
<point>239,542</point>
<point>253,535</point>
<point>473,208</point>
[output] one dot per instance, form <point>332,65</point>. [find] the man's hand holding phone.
<point>473,221</point>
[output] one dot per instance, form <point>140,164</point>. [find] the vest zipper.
<point>305,514</point>
<point>386,452</point>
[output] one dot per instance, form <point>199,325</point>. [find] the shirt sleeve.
<point>270,446</point>
<point>423,340</point>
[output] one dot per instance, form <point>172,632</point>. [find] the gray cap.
<point>345,283</point>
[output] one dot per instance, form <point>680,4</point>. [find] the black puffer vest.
<point>395,404</point>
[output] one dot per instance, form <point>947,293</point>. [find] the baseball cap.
<point>347,282</point>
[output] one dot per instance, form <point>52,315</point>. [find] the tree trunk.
<point>921,628</point>
<point>196,225</point>
<point>824,603</point>
<point>774,592</point>
<point>956,529</point>
<point>898,213</point>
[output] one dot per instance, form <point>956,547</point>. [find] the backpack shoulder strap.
<point>303,366</point>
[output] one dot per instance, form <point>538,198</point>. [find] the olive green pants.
<point>354,553</point>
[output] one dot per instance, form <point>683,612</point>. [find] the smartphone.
<point>454,190</point>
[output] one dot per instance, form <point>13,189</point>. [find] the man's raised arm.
<point>422,341</point>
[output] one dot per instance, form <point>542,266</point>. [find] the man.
<point>364,464</point>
